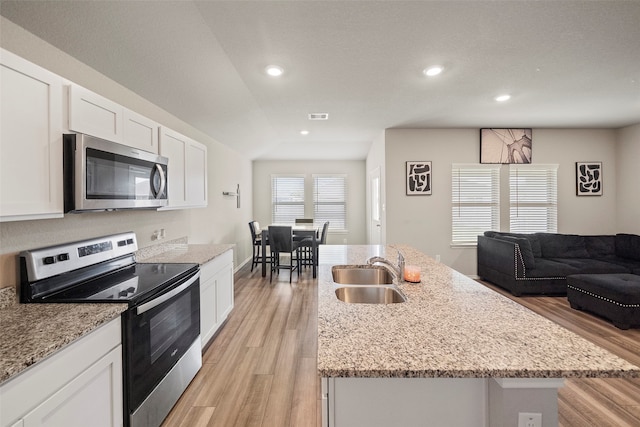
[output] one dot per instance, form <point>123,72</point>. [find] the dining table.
<point>299,230</point>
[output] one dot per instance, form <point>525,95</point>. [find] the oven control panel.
<point>53,260</point>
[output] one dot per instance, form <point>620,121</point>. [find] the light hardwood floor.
<point>261,368</point>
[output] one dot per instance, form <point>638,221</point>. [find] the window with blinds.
<point>287,198</point>
<point>475,201</point>
<point>330,201</point>
<point>533,204</point>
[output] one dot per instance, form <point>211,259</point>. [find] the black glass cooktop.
<point>133,284</point>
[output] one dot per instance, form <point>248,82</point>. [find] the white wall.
<point>425,221</point>
<point>376,160</point>
<point>220,222</point>
<point>628,178</point>
<point>355,170</point>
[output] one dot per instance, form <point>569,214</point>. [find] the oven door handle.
<point>165,297</point>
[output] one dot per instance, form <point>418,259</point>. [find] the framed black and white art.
<point>505,146</point>
<point>419,178</point>
<point>589,178</point>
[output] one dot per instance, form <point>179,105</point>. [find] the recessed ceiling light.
<point>432,71</point>
<point>304,132</point>
<point>502,98</point>
<point>274,70</point>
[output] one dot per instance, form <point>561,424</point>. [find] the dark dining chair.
<point>305,248</point>
<point>323,236</point>
<point>281,241</point>
<point>256,237</point>
<point>321,241</point>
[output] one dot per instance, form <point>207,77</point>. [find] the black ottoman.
<point>615,297</point>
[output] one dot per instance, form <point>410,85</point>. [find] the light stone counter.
<point>31,332</point>
<point>177,252</point>
<point>450,326</point>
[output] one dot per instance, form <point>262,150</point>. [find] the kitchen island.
<point>455,353</point>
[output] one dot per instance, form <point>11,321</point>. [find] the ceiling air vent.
<point>318,116</point>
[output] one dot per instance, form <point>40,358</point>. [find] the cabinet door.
<point>224,292</point>
<point>196,174</point>
<point>30,140</point>
<point>173,146</point>
<point>94,395</point>
<point>94,115</point>
<point>187,173</point>
<point>140,132</point>
<point>216,294</point>
<point>208,315</point>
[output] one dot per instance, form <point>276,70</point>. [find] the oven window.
<point>168,325</point>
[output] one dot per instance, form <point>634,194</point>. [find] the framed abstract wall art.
<point>419,178</point>
<point>505,146</point>
<point>589,178</point>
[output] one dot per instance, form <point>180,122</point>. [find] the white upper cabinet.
<point>98,116</point>
<point>30,140</point>
<point>140,132</point>
<point>95,115</point>
<point>187,171</point>
<point>196,173</point>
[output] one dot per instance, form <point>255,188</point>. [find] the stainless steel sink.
<point>370,294</point>
<point>361,275</point>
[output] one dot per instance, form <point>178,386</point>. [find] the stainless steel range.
<point>160,329</point>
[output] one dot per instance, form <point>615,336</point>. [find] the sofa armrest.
<point>500,255</point>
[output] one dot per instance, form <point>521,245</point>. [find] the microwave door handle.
<point>165,297</point>
<point>163,180</point>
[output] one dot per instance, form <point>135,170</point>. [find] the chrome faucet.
<point>398,270</point>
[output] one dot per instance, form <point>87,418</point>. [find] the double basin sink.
<point>365,284</point>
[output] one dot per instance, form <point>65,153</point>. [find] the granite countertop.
<point>450,326</point>
<point>182,252</point>
<point>32,332</point>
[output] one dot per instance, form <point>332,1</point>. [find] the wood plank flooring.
<point>260,370</point>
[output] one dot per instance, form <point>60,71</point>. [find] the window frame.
<point>282,218</point>
<point>490,174</point>
<point>339,224</point>
<point>541,192</point>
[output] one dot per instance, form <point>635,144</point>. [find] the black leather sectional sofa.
<point>539,263</point>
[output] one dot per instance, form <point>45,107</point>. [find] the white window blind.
<point>330,201</point>
<point>475,201</point>
<point>287,198</point>
<point>533,192</point>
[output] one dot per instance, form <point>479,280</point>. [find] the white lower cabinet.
<point>216,294</point>
<point>478,402</point>
<point>80,385</point>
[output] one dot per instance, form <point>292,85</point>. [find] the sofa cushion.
<point>592,266</point>
<point>546,268</point>
<point>562,245</point>
<point>601,247</point>
<point>628,246</point>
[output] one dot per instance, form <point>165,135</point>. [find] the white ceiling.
<point>565,63</point>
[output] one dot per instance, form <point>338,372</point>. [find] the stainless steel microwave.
<point>103,175</point>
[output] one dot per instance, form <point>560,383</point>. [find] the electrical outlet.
<point>437,258</point>
<point>529,419</point>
